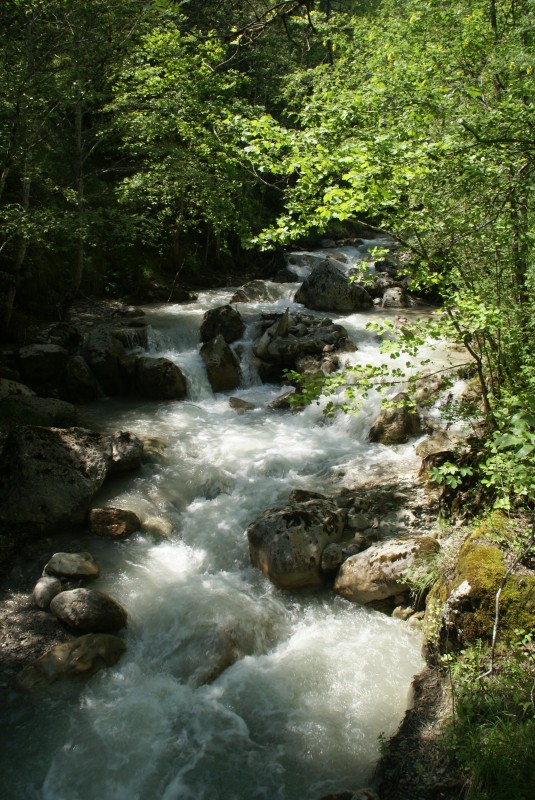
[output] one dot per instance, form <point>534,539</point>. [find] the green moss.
<point>517,604</point>
<point>482,566</point>
<point>493,528</point>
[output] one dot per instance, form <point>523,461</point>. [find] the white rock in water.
<point>72,565</point>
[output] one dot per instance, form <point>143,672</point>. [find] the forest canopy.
<point>139,136</point>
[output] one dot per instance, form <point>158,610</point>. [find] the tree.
<point>423,127</point>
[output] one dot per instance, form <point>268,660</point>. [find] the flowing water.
<point>230,688</point>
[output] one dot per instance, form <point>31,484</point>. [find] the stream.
<point>231,689</point>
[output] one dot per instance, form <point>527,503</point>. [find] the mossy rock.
<point>494,527</point>
<point>462,610</point>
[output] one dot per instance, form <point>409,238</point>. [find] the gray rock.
<point>103,354</point>
<point>45,590</point>
<point>327,288</point>
<point>287,543</point>
<point>72,565</point>
<point>396,423</point>
<point>222,365</point>
<point>282,402</point>
<point>294,337</point>
<point>159,379</point>
<point>223,320</point>
<point>48,477</point>
<point>81,384</point>
<point>254,291</point>
<point>89,611</point>
<point>395,297</point>
<point>380,571</point>
<point>132,336</point>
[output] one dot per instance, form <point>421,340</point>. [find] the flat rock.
<point>72,565</point>
<point>89,611</point>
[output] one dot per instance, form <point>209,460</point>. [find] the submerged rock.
<point>89,611</point>
<point>82,656</point>
<point>239,405</point>
<point>115,523</point>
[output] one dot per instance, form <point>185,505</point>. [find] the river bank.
<point>186,594</point>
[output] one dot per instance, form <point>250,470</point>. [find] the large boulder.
<point>287,543</point>
<point>381,571</point>
<point>327,288</point>
<point>223,320</point>
<point>80,383</point>
<point>159,379</point>
<point>89,611</point>
<point>222,365</point>
<point>48,476</point>
<point>104,354</point>
<point>290,338</point>
<point>42,365</point>
<point>38,411</point>
<point>396,423</point>
<point>9,387</point>
<point>82,656</point>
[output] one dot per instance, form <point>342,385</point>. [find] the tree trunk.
<point>79,167</point>
<point>21,250</point>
